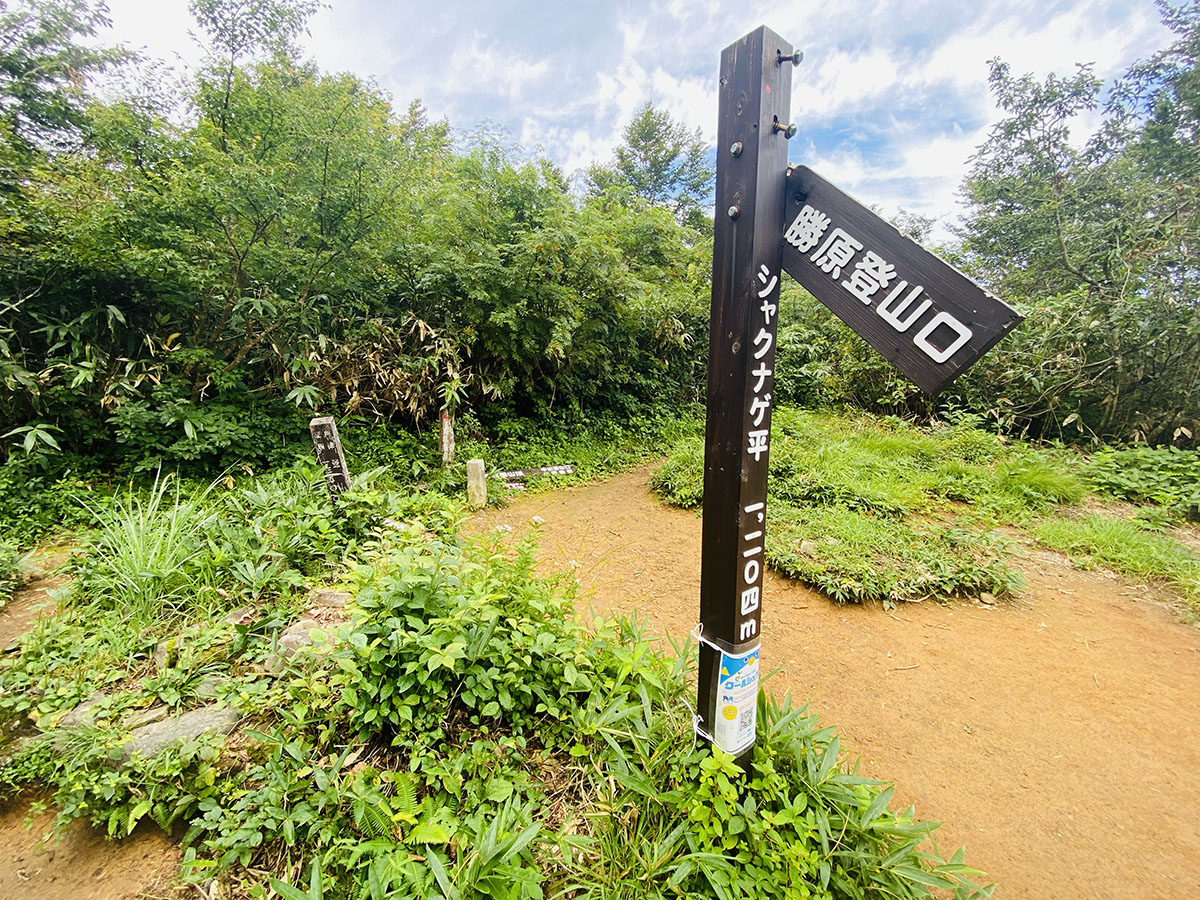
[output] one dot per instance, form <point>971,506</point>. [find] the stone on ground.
<point>151,740</point>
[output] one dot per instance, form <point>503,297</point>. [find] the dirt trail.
<point>1055,738</point>
<point>81,864</point>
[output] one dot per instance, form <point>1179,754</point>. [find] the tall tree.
<point>240,30</point>
<point>1096,242</point>
<point>43,66</point>
<point>661,162</point>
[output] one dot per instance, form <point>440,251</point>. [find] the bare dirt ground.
<point>1055,737</point>
<point>81,864</point>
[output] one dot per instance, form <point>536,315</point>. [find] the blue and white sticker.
<point>737,701</point>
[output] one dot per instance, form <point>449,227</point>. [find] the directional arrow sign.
<point>927,319</point>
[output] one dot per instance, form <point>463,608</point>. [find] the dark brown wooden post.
<point>752,132</point>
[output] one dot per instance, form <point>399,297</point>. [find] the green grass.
<point>865,509</point>
<point>853,556</point>
<point>868,509</point>
<point>1125,547</point>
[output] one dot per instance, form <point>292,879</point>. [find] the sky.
<point>890,101</point>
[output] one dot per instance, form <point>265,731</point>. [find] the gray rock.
<point>809,548</point>
<point>987,598</point>
<point>327,599</point>
<point>243,615</point>
<point>155,713</point>
<point>84,713</point>
<point>295,636</point>
<point>163,652</point>
<point>210,687</point>
<point>18,746</point>
<point>151,740</point>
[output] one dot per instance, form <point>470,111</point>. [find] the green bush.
<point>1167,476</point>
<point>10,571</point>
<point>168,429</point>
<point>447,632</point>
<point>40,496</point>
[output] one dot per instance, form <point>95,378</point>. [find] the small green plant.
<point>12,565</point>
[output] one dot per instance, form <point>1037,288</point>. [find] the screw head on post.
<point>734,212</point>
<point>735,149</point>
<point>794,58</point>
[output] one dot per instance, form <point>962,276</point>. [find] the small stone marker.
<point>447,437</point>
<point>329,454</point>
<point>476,483</point>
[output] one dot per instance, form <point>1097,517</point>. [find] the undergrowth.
<point>1166,476</point>
<point>594,447</point>
<point>11,571</point>
<point>461,736</point>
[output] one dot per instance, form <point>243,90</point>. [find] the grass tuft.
<point>1126,547</point>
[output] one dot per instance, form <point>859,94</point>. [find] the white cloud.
<point>893,95</point>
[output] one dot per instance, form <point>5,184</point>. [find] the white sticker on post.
<point>737,701</point>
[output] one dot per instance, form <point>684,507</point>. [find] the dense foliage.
<point>185,273</point>
<point>278,237</point>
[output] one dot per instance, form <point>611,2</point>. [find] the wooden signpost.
<point>328,447</point>
<point>924,316</point>
<point>752,131</point>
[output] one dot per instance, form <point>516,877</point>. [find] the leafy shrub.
<point>1167,476</point>
<point>170,429</point>
<point>40,496</point>
<point>449,632</point>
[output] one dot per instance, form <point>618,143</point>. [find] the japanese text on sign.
<point>756,446</point>
<point>901,307</point>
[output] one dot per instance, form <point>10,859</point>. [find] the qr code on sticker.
<point>746,720</point>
